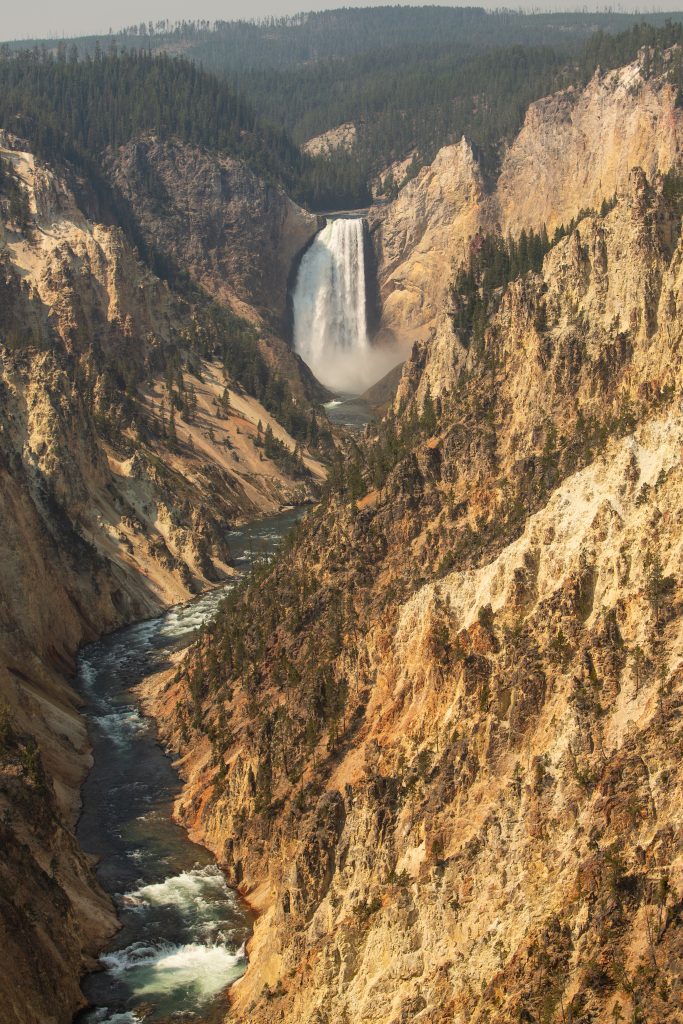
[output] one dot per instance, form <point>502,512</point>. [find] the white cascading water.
<point>330,327</point>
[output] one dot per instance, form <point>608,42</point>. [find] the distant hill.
<point>409,79</point>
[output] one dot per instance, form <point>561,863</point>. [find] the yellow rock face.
<point>420,234</point>
<point>496,833</point>
<point>574,150</point>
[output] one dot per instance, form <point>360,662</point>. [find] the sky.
<point>45,18</point>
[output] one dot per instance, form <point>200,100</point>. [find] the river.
<point>184,930</point>
<point>349,411</point>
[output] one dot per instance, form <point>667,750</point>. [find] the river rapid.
<point>183,934</point>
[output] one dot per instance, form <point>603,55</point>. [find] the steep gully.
<point>183,931</point>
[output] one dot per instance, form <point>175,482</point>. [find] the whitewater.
<point>330,307</point>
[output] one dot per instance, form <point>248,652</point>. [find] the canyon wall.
<point>447,775</point>
<point>419,235</point>
<point>212,218</point>
<point>576,148</point>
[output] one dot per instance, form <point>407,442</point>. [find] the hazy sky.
<point>82,17</point>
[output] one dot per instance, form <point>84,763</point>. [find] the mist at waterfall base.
<point>330,318</point>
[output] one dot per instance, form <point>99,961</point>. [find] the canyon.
<point>471,811</point>
<point>110,511</point>
<point>435,744</point>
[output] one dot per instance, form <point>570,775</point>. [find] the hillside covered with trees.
<point>410,79</point>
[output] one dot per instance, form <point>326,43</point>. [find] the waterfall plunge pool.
<point>349,411</point>
<point>184,930</point>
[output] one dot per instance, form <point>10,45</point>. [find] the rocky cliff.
<point>212,218</point>
<point>448,776</point>
<point>575,149</point>
<point>419,235</point>
<point>129,444</point>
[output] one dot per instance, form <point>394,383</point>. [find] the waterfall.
<point>330,327</point>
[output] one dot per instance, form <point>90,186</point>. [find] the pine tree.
<point>172,435</point>
<point>428,421</point>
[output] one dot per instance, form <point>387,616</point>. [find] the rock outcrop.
<point>575,149</point>
<point>342,137</point>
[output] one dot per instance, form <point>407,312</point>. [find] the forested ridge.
<point>346,32</point>
<point>73,108</point>
<point>88,105</point>
<point>410,79</point>
<point>418,96</point>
